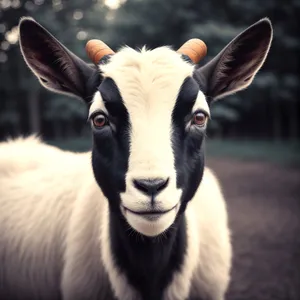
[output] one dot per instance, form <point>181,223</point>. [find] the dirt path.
<point>264,211</point>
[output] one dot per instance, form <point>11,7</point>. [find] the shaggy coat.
<point>139,217</point>
<point>58,242</point>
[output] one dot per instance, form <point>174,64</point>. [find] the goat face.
<point>148,118</point>
<point>148,112</point>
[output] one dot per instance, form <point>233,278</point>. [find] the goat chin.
<point>54,231</point>
<point>151,225</point>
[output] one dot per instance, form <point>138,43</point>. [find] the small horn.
<point>195,49</point>
<point>96,49</point>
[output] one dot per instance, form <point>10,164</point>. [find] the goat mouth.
<point>149,213</point>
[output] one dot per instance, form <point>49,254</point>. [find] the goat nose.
<point>151,187</point>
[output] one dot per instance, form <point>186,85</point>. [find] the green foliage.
<point>271,100</point>
<point>254,150</point>
<point>66,20</point>
<point>59,108</point>
<point>9,117</point>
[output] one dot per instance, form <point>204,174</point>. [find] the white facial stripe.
<point>97,104</point>
<point>201,103</point>
<point>151,154</point>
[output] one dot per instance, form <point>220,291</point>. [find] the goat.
<point>139,217</point>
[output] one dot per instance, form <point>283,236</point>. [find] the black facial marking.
<point>92,83</point>
<point>113,101</point>
<point>149,263</point>
<point>111,145</point>
<point>187,58</point>
<point>105,59</point>
<point>187,144</point>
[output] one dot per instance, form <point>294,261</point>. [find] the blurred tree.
<point>70,22</point>
<point>269,109</point>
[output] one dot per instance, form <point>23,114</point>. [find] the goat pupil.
<point>199,118</point>
<point>99,121</point>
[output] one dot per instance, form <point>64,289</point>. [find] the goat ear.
<point>234,68</point>
<point>56,67</point>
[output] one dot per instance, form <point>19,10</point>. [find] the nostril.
<point>162,184</point>
<point>141,185</point>
<point>151,186</point>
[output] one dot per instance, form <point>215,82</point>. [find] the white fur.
<point>54,218</point>
<point>45,219</point>
<point>17,155</point>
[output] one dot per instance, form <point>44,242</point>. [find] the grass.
<point>283,153</point>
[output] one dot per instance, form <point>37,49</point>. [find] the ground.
<point>264,212</point>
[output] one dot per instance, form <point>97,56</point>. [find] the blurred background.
<point>253,138</point>
<point>262,122</point>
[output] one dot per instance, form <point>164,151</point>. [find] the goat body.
<point>54,237</point>
<point>139,217</point>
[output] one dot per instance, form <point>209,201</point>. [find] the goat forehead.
<point>148,80</point>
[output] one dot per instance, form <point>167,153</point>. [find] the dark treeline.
<point>268,110</point>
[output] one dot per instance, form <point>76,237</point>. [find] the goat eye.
<point>99,121</point>
<point>199,119</point>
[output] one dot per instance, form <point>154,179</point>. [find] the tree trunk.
<point>57,130</point>
<point>276,119</point>
<point>293,116</point>
<point>33,108</point>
